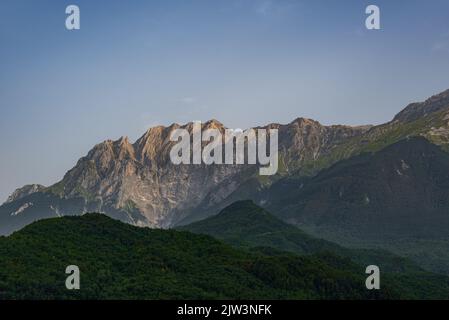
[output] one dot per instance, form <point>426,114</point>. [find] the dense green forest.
<point>120,261</point>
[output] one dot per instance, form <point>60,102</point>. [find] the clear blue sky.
<point>135,64</point>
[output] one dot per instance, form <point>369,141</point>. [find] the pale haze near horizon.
<point>138,64</point>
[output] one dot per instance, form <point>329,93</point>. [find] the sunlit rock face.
<point>138,183</point>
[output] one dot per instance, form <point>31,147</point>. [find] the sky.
<point>136,64</point>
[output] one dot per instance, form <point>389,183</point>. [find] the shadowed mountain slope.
<point>244,224</point>
<point>396,198</point>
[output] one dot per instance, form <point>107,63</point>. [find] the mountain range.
<point>137,183</point>
<point>382,186</point>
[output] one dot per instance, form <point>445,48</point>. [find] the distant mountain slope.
<point>244,224</point>
<point>417,110</point>
<point>137,182</point>
<point>120,261</point>
<point>396,196</point>
<point>24,191</point>
<point>428,119</point>
<point>40,205</point>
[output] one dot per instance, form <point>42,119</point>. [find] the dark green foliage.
<point>119,261</point>
<point>246,225</point>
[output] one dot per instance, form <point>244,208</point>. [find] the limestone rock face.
<point>139,180</point>
<point>24,191</point>
<point>137,183</point>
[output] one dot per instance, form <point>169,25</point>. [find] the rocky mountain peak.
<point>152,148</point>
<point>24,191</point>
<point>138,183</point>
<point>417,110</point>
<point>301,122</point>
<point>109,151</point>
<point>123,149</point>
<point>213,124</point>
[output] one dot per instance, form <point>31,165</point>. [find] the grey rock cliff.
<point>24,191</point>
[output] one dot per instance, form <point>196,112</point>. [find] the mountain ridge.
<point>416,110</point>
<point>395,199</point>
<point>24,191</point>
<point>137,183</point>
